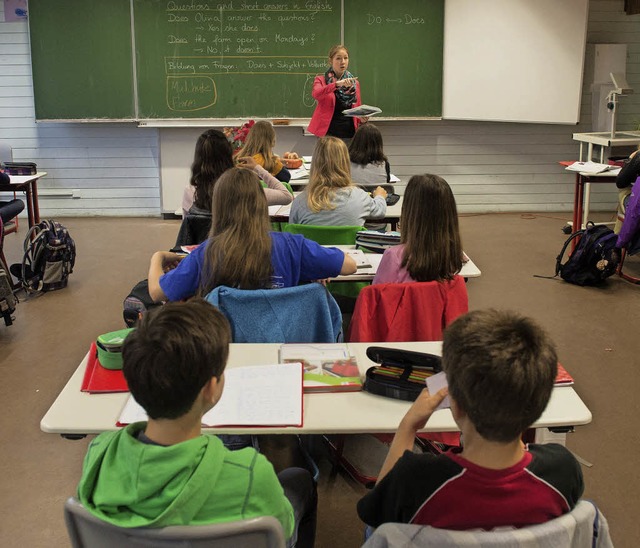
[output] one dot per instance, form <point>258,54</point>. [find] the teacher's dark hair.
<point>213,156</point>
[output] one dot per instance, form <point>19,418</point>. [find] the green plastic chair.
<point>326,235</point>
<point>332,235</point>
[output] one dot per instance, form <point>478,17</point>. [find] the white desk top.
<point>603,138</point>
<point>21,179</point>
<point>76,412</point>
<point>469,269</point>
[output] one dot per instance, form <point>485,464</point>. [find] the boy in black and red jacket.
<point>500,368</point>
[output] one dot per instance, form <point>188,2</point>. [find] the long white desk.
<point>77,413</point>
<point>469,269</point>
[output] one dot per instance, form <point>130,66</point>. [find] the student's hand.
<point>363,119</point>
<point>247,162</point>
<point>422,409</point>
<point>379,191</point>
<point>170,260</point>
<point>324,281</point>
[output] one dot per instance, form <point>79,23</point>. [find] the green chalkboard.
<point>82,59</point>
<point>233,59</point>
<point>396,52</point>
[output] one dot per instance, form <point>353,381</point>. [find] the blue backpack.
<point>594,259</point>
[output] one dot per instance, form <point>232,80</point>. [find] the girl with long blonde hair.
<point>331,198</point>
<point>259,145</point>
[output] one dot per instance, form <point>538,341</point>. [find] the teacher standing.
<point>336,90</point>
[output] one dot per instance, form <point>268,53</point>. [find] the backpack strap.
<point>564,247</point>
<point>387,168</point>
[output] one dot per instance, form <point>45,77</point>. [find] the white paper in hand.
<point>435,383</point>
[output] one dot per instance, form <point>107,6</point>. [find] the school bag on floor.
<point>594,259</point>
<point>49,257</point>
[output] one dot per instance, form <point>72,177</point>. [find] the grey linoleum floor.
<point>596,330</point>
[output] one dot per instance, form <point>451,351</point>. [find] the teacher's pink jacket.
<point>326,98</point>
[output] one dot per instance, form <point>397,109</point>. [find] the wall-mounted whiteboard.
<point>514,60</point>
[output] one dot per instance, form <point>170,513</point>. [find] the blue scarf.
<point>346,96</point>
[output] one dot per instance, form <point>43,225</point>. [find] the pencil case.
<point>20,168</point>
<point>401,374</point>
<point>109,348</point>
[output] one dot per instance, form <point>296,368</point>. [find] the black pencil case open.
<point>380,380</point>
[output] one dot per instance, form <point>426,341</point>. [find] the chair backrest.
<point>584,526</point>
<point>193,230</point>
<point>303,314</point>
<point>416,311</point>
<point>86,530</point>
<point>325,235</point>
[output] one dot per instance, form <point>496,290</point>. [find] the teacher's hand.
<point>346,83</point>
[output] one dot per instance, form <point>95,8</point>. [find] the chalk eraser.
<point>281,122</point>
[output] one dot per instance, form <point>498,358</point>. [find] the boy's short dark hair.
<point>172,354</point>
<point>500,367</point>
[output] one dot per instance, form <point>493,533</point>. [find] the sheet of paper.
<point>300,173</point>
<point>363,264</point>
<point>282,210</point>
<point>393,178</point>
<point>435,383</point>
<point>259,395</point>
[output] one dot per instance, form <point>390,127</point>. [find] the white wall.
<point>113,169</point>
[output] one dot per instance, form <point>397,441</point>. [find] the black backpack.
<point>594,259</point>
<point>49,257</point>
<point>137,303</point>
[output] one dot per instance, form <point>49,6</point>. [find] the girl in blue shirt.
<point>241,251</point>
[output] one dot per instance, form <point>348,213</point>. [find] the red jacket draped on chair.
<point>417,311</point>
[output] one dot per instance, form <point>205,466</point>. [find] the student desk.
<point>29,185</point>
<point>469,269</point>
<point>75,414</point>
<point>280,214</point>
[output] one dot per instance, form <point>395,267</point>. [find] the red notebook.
<point>98,380</point>
<point>563,378</point>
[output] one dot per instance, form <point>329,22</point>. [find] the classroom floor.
<point>594,328</point>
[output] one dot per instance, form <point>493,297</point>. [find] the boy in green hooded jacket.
<point>165,471</point>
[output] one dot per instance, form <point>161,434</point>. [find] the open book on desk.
<point>257,395</point>
<point>593,168</point>
<point>327,367</point>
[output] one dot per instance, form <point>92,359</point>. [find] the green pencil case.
<point>109,347</point>
<point>408,364</point>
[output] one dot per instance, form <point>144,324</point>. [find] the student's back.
<point>500,367</point>
<point>132,482</point>
<point>166,471</point>
<point>331,199</point>
<point>431,248</point>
